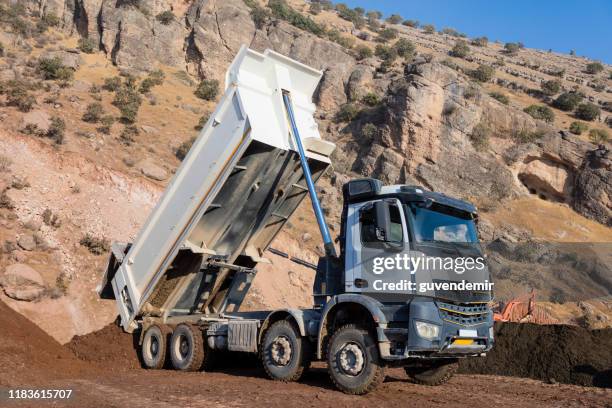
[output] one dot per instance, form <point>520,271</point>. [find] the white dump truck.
<point>181,283</point>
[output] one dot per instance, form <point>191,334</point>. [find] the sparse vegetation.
<point>203,119</point>
<point>87,45</point>
<point>207,89</point>
<point>526,136</point>
<point>17,95</point>
<point>5,164</point>
<point>56,130</point>
<point>594,68</point>
<point>363,52</point>
<point>394,19</point>
<point>95,245</point>
<point>154,78</point>
<point>106,123</point>
<point>93,113</point>
<point>405,48</point>
<point>511,48</point>
<point>387,34</point>
<point>51,219</point>
<point>347,113</point>
<point>480,136</point>
<point>480,41</point>
<point>5,201</point>
<point>353,15</point>
<point>54,69</point>
<point>599,136</point>
<point>281,10</point>
<point>551,87</point>
<point>500,97</point>
<point>460,50</point>
<point>112,84</point>
<point>165,17</point>
<point>260,16</point>
<point>471,91</point>
<point>371,99</point>
<point>587,111</point>
<point>484,73</point>
<point>369,131</point>
<point>429,28</point>
<point>568,101</point>
<point>183,149</point>
<point>128,101</point>
<point>128,135</point>
<point>578,128</point>
<point>540,112</point>
<point>386,53</point>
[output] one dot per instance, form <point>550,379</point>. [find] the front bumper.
<point>464,330</point>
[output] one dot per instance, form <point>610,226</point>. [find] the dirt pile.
<point>552,353</point>
<point>109,347</point>
<point>28,355</point>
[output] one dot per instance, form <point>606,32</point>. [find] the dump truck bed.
<point>232,194</point>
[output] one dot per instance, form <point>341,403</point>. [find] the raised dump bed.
<point>232,194</point>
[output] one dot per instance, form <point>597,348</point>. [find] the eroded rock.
<point>22,282</point>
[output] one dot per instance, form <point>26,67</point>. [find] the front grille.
<point>464,314</point>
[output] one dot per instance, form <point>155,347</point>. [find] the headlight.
<point>427,330</point>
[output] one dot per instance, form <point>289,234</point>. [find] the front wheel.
<point>284,352</point>
<point>435,373</point>
<point>353,360</point>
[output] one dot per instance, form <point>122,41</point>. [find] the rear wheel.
<point>154,346</point>
<point>187,348</point>
<point>436,373</point>
<point>284,352</point>
<point>353,360</point>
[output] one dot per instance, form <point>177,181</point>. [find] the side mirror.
<point>383,220</point>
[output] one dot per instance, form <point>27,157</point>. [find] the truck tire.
<point>187,348</point>
<point>154,346</point>
<point>436,373</point>
<point>353,360</point>
<point>284,353</point>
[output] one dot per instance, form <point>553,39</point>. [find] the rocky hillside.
<point>101,98</point>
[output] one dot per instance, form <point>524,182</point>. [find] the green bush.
<point>541,112</point>
<point>511,48</point>
<point>128,135</point>
<point>106,124</point>
<point>363,52</point>
<point>587,111</point>
<point>338,38</point>
<point>260,16</point>
<point>369,131</point>
<point>460,50</point>
<point>386,53</point>
<point>394,19</point>
<point>411,23</point>
<point>17,95</point>
<point>96,246</point>
<point>484,73</point>
<point>57,129</point>
<point>578,128</point>
<point>314,9</point>
<point>594,68</point>
<point>54,69</point>
<point>347,113</point>
<point>568,101</point>
<point>203,119</point>
<point>87,45</point>
<point>387,34</point>
<point>281,10</point>
<point>371,99</point>
<point>207,89</point>
<point>183,149</point>
<point>93,113</point>
<point>353,15</point>
<point>526,136</point>
<point>480,41</point>
<point>112,84</point>
<point>479,136</point>
<point>128,101</point>
<point>405,48</point>
<point>502,98</point>
<point>599,136</point>
<point>551,87</point>
<point>165,17</point>
<point>429,28</point>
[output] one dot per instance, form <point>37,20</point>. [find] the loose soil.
<point>102,370</point>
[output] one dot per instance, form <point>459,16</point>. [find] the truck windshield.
<point>441,224</point>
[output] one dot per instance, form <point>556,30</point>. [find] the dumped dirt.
<point>552,353</point>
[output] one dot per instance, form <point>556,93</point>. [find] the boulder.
<point>69,59</point>
<point>21,282</point>
<point>27,242</point>
<point>152,170</point>
<point>39,118</point>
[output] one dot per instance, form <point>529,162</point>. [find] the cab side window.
<point>368,227</point>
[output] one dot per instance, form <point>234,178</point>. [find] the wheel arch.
<point>296,316</point>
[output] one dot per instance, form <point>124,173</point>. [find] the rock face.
<point>21,282</point>
<point>593,189</point>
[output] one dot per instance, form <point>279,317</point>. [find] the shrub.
<point>405,48</point>
<point>394,19</point>
<point>128,135</point>
<point>511,48</point>
<point>165,17</point>
<point>203,119</point>
<point>19,97</point>
<point>315,8</point>
<point>578,128</point>
<point>371,99</point>
<point>387,34</point>
<point>502,98</point>
<point>540,112</point>
<point>207,89</point>
<point>568,101</point>
<point>106,123</point>
<point>87,45</point>
<point>386,53</point>
<point>526,136</point>
<point>353,15</point>
<point>587,111</point>
<point>484,73</point>
<point>281,10</point>
<point>480,41</point>
<point>429,29</point>
<point>460,50</point>
<point>260,16</point>
<point>363,52</point>
<point>336,37</point>
<point>51,219</point>
<point>5,201</point>
<point>93,112</point>
<point>53,69</point>
<point>594,68</point>
<point>183,149</point>
<point>551,87</point>
<point>95,245</point>
<point>369,131</point>
<point>5,164</point>
<point>599,136</point>
<point>347,113</point>
<point>146,85</point>
<point>480,136</point>
<point>411,23</point>
<point>471,91</point>
<point>128,101</point>
<point>112,84</point>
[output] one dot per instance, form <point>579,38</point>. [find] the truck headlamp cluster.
<point>427,331</point>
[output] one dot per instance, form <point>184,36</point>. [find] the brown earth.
<point>102,370</point>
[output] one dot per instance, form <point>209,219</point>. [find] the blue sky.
<point>585,26</point>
